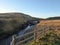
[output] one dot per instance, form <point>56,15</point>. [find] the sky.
<point>35,8</point>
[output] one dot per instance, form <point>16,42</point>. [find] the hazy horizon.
<point>35,8</point>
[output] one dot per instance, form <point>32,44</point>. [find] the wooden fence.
<point>25,38</point>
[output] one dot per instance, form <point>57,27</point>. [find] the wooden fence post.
<point>35,36</point>
<point>13,40</point>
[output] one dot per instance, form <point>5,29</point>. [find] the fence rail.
<point>27,37</point>
<point>24,40</point>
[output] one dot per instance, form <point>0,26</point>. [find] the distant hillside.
<point>54,18</point>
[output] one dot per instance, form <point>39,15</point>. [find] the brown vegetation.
<point>49,33</point>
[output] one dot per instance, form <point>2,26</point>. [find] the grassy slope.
<point>52,36</point>
<point>11,23</point>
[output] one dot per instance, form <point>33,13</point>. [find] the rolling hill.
<point>11,23</point>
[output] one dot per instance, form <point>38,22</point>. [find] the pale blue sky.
<point>36,8</point>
